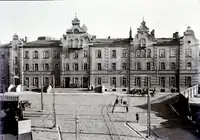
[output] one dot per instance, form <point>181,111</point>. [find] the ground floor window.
<point>138,81</point>
<point>188,81</point>
<point>124,81</point>
<point>27,81</point>
<point>162,81</point>
<point>36,81</point>
<point>46,81</point>
<point>172,81</point>
<point>147,81</point>
<point>113,81</point>
<point>99,80</point>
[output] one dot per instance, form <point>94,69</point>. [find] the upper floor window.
<point>124,53</point>
<point>172,81</point>
<point>172,53</point>
<point>85,53</point>
<point>143,53</point>
<point>142,42</point>
<point>188,53</point>
<point>81,43</point>
<point>148,53</point>
<point>172,66</point>
<point>162,53</point>
<point>148,66</point>
<point>46,54</point>
<point>27,67</point>
<point>124,66</point>
<point>162,81</point>
<point>26,55</point>
<point>113,54</point>
<point>35,67</point>
<point>99,66</point>
<point>85,66</point>
<point>162,65</point>
<point>55,55</point>
<point>138,53</point>
<point>66,67</point>
<point>113,66</point>
<point>15,60</point>
<point>2,55</point>
<point>75,66</point>
<point>35,55</point>
<point>98,53</point>
<point>70,43</point>
<point>138,66</point>
<point>76,42</point>
<point>188,81</point>
<point>46,66</point>
<point>189,65</point>
<point>75,55</point>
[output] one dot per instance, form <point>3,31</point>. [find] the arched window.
<point>143,42</point>
<point>76,42</point>
<point>143,53</point>
<point>148,53</point>
<point>81,43</point>
<point>70,43</point>
<point>76,30</point>
<point>138,53</point>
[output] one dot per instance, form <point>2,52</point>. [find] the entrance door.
<point>85,82</point>
<point>67,82</point>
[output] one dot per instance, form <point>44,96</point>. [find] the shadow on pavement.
<point>175,127</point>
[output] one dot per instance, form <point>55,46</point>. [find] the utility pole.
<point>53,91</point>
<point>77,126</point>
<point>148,110</point>
<point>178,66</point>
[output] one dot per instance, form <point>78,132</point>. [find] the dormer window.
<point>76,31</point>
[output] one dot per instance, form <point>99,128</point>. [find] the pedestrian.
<point>137,117</point>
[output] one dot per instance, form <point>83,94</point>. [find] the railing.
<point>190,92</point>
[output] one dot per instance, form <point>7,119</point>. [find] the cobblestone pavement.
<point>92,124</point>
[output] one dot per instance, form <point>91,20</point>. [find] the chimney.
<point>26,39</point>
<point>108,37</point>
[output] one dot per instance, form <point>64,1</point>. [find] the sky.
<point>103,18</point>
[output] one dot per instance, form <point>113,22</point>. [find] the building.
<point>79,59</point>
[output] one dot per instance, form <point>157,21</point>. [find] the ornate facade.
<point>79,59</point>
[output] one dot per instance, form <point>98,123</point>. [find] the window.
<point>162,53</point>
<point>124,53</point>
<point>113,81</point>
<point>99,66</point>
<point>75,55</point>
<point>76,31</point>
<point>188,81</point>
<point>113,66</point>
<point>2,55</point>
<point>56,66</point>
<point>46,54</point>
<point>70,43</point>
<point>85,53</point>
<point>75,80</point>
<point>76,66</point>
<point>148,66</point>
<point>147,81</point>
<point>189,66</point>
<point>172,66</point>
<point>76,43</point>
<point>138,53</point>
<point>46,66</point>
<point>46,81</point>
<point>124,66</point>
<point>172,81</point>
<point>26,55</point>
<point>27,81</point>
<point>81,43</point>
<point>36,81</point>
<point>172,53</point>
<point>55,55</point>
<point>143,53</point>
<point>15,60</point>
<point>27,67</point>
<point>98,54</point>
<point>138,66</point>
<point>85,66</point>
<point>66,67</point>
<point>99,80</point>
<point>36,67</point>
<point>188,53</point>
<point>137,81</point>
<point>113,54</point>
<point>162,66</point>
<point>162,81</point>
<point>2,80</point>
<point>148,53</point>
<point>16,71</point>
<point>124,81</point>
<point>35,55</point>
<point>142,42</point>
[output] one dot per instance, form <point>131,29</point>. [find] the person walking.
<point>137,117</point>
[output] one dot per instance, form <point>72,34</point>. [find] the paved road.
<point>93,124</point>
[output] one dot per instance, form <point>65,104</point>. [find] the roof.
<point>42,43</point>
<point>166,41</point>
<point>106,40</point>
<point>4,45</point>
<point>111,42</point>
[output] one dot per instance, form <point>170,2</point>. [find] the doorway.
<point>67,82</point>
<point>85,82</point>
